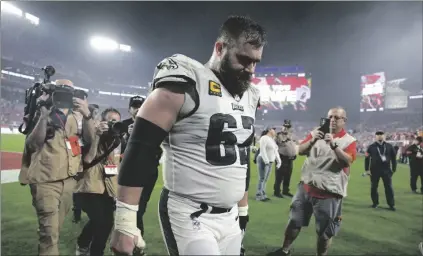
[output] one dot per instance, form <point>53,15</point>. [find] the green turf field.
<point>364,230</point>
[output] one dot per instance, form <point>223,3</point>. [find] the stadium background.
<point>342,51</point>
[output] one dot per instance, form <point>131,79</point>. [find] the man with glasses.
<point>324,181</point>
<point>377,165</point>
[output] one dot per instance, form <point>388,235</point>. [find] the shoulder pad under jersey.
<point>178,68</point>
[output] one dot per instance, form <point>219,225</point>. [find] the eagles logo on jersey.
<point>205,155</point>
<point>167,63</point>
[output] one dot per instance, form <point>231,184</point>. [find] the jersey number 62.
<point>216,137</point>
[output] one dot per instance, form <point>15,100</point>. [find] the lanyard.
<point>384,150</point>
<point>61,121</point>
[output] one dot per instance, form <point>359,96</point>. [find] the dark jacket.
<point>415,162</point>
<point>373,161</point>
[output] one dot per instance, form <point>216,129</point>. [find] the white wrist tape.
<point>126,222</point>
<point>243,210</point>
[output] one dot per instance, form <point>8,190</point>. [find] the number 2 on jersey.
<point>216,137</point>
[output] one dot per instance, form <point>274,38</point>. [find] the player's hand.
<point>122,244</point>
<point>328,137</point>
<point>316,134</point>
<point>102,127</point>
<point>368,173</point>
<point>243,220</point>
<point>130,129</point>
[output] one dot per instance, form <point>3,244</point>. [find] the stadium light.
<point>125,48</point>
<point>33,19</point>
<point>9,8</point>
<point>103,44</point>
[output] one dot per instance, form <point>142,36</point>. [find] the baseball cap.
<point>379,133</point>
<point>136,101</point>
<point>287,123</point>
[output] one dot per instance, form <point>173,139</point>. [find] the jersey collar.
<point>340,134</point>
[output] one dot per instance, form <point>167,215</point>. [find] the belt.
<point>213,210</point>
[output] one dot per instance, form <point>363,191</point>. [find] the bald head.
<point>64,82</point>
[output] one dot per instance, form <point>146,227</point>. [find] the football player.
<point>204,114</point>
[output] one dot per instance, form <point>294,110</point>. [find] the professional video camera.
<point>61,96</point>
<point>117,129</point>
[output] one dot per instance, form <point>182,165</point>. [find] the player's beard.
<point>235,81</point>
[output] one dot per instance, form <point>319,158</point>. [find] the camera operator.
<point>287,153</point>
<point>134,104</point>
<point>51,160</point>
<point>96,191</point>
<point>77,211</point>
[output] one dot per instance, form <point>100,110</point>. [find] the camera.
<point>117,129</point>
<point>61,96</point>
<point>287,123</point>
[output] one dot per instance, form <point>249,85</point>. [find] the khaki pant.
<point>52,201</point>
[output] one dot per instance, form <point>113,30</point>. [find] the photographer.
<point>77,211</point>
<point>51,160</point>
<point>96,191</point>
<point>134,104</point>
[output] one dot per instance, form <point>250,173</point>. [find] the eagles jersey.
<point>205,154</point>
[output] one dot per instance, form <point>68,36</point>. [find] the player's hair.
<point>236,27</point>
<point>108,110</point>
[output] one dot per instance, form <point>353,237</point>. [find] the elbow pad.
<point>139,166</point>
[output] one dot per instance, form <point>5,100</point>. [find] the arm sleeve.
<point>352,150</point>
<point>307,139</point>
<point>367,159</point>
<point>263,144</point>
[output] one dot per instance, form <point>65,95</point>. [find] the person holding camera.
<point>96,191</point>
<point>77,211</point>
<point>324,181</point>
<point>287,153</point>
<point>134,104</point>
<point>52,159</point>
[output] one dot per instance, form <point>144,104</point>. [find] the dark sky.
<point>335,41</point>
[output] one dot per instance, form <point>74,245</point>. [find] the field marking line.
<point>15,152</point>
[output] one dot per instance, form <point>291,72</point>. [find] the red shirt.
<point>350,150</point>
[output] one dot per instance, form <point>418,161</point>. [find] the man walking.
<point>377,165</point>
<point>324,181</point>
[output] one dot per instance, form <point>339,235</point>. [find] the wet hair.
<point>236,27</point>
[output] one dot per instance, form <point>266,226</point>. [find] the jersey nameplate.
<point>215,89</point>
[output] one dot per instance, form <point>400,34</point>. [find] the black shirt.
<point>127,122</point>
<point>374,155</point>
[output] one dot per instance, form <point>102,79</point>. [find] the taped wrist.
<point>243,210</point>
<point>139,166</point>
<point>126,222</point>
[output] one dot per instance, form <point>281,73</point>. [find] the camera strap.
<point>105,155</point>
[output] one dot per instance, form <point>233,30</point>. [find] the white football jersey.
<point>205,154</point>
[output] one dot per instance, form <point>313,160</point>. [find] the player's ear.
<point>218,48</point>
